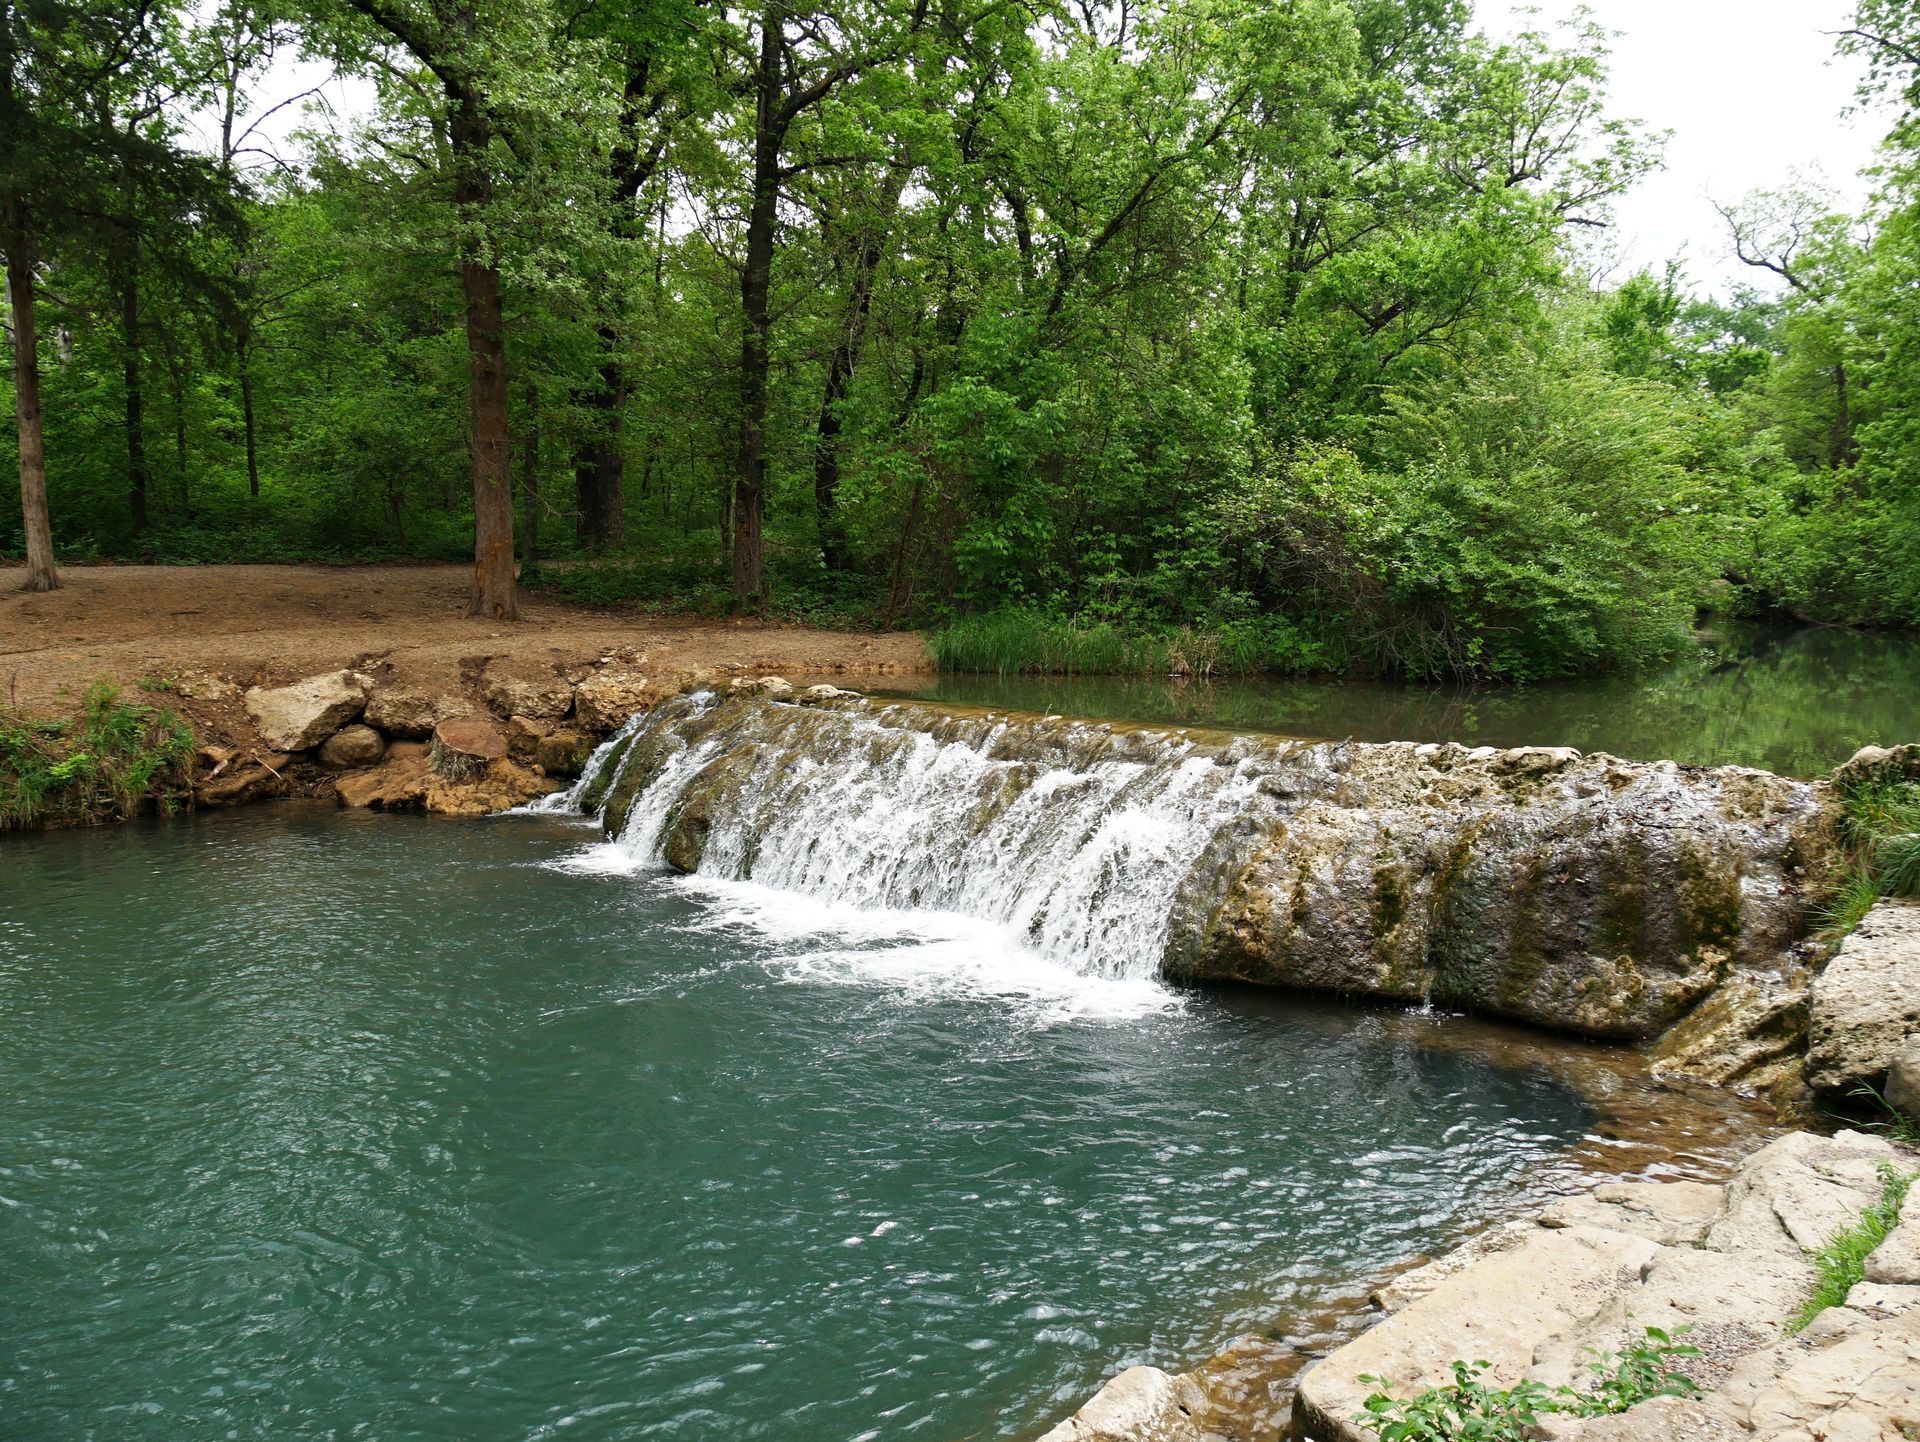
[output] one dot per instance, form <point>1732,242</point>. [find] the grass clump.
<point>1880,825</point>
<point>1467,1410</point>
<point>1842,1263</point>
<point>1018,640</point>
<point>101,765</point>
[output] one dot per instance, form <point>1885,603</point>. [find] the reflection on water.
<point>1797,702</point>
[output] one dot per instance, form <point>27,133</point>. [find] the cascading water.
<point>1081,851</point>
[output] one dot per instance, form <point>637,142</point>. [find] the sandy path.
<point>276,623</point>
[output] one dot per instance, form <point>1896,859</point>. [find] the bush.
<point>101,766</point>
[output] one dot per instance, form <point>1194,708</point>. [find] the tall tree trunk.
<point>127,283</point>
<point>530,486</point>
<point>828,525</point>
<point>493,588</point>
<point>598,476</point>
<point>756,280</point>
<point>246,413</point>
<point>41,575</point>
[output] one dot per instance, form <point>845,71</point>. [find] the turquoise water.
<point>336,1125</point>
<point>1797,702</point>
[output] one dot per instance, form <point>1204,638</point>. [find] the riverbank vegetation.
<point>1208,336</point>
<point>106,763</point>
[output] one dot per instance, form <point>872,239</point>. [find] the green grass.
<point>1016,640</point>
<point>102,765</point>
<point>1842,1262</point>
<point>1880,825</point>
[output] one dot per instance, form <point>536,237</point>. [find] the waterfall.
<point>1078,842</point>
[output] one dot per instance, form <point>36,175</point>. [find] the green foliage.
<point>1880,824</point>
<point>103,765</point>
<point>1842,1262</point>
<point>1467,1410</point>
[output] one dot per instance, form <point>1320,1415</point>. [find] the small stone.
<point>352,747</point>
<point>204,686</point>
<point>815,695</point>
<point>777,688</point>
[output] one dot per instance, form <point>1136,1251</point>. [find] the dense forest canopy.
<point>1270,326</point>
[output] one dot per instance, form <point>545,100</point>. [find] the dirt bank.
<point>255,624</point>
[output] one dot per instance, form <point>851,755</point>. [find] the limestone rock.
<point>399,784</point>
<point>1879,1299</point>
<point>301,716</point>
<point>1658,1419</point>
<point>817,695</point>
<point>351,747</point>
<point>247,781</point>
<point>564,753</point>
<point>466,739</point>
<point>1896,1261</point>
<point>1866,1004</point>
<point>1496,1310</point>
<point>500,786</point>
<point>1863,1388</point>
<point>544,700</point>
<point>205,686</point>
<point>1670,1213</point>
<point>606,702</point>
<point>399,712</point>
<point>776,688</point>
<point>1881,763</point>
<point>1142,1404</point>
<point>1903,1079</point>
<point>524,735</point>
<point>1751,1033</point>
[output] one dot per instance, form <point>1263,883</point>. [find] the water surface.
<point>1797,702</point>
<point>327,1125</point>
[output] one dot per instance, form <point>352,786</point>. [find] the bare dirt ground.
<point>274,624</point>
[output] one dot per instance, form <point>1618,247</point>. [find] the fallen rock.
<point>352,747</point>
<point>1896,1261</point>
<point>605,702</point>
<point>564,753</point>
<point>403,713</point>
<point>544,700</point>
<point>1142,1404</point>
<point>816,695</point>
<point>301,716</point>
<point>1866,1003</point>
<point>247,781</point>
<point>1903,1079</point>
<point>464,743</point>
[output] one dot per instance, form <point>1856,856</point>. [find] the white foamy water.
<point>930,856</point>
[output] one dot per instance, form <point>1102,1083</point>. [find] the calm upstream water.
<point>328,1124</point>
<point>1798,702</point>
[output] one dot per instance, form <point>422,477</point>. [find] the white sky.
<point>1751,90</point>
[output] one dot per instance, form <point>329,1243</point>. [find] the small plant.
<point>102,764</point>
<point>1842,1263</point>
<point>1895,1123</point>
<point>1880,822</point>
<point>1467,1410</point>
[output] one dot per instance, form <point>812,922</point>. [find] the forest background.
<point>1227,334</point>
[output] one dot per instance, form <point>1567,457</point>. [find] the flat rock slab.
<point>1496,1311</point>
<point>301,716</point>
<point>1142,1404</point>
<point>1863,1388</point>
<point>1866,1003</point>
<point>1896,1261</point>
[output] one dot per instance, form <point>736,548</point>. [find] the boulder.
<point>1903,1080</point>
<point>1880,763</point>
<point>301,716</point>
<point>499,785</point>
<point>352,747</point>
<point>777,688</point>
<point>547,700</point>
<point>1896,1261</point>
<point>605,702</point>
<point>524,735</point>
<point>564,753</point>
<point>1142,1404</point>
<point>817,695</point>
<point>1866,1003</point>
<point>403,713</point>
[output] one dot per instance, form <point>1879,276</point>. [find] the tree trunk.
<point>530,488</point>
<point>41,575</point>
<point>828,525</point>
<point>246,413</point>
<point>756,280</point>
<point>493,588</point>
<point>127,283</point>
<point>598,475</point>
<point>178,376</point>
